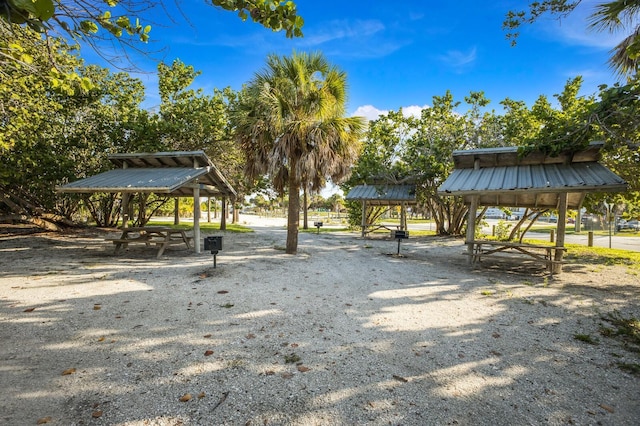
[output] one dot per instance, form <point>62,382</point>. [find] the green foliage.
<point>193,120</point>
<point>276,15</point>
<point>290,122</point>
<point>51,135</point>
<point>92,21</point>
<point>399,149</point>
<point>625,329</point>
<point>502,230</point>
<point>206,227</point>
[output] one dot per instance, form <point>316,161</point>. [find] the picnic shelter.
<point>177,173</point>
<point>503,177</point>
<point>383,195</point>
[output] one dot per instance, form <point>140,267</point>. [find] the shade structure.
<point>511,177</point>
<point>535,186</point>
<point>383,195</point>
<point>504,177</point>
<point>176,173</point>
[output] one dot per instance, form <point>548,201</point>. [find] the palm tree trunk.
<point>293,215</point>
<point>305,207</point>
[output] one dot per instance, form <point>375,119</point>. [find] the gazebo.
<point>178,173</point>
<point>383,195</point>
<point>502,177</point>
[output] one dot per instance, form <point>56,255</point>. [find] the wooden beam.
<point>471,226</point>
<point>363,221</point>
<point>196,213</point>
<point>196,219</point>
<point>556,268</point>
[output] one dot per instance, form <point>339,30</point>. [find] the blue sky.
<point>396,54</point>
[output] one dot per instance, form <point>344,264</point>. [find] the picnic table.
<point>513,250</point>
<point>161,236</point>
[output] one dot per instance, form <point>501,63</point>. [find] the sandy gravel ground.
<point>344,333</point>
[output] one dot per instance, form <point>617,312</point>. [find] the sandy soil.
<point>345,332</point>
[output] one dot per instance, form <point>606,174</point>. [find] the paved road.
<point>624,243</point>
<point>617,242</point>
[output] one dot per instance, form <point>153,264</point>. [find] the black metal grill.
<point>213,243</point>
<point>399,235</point>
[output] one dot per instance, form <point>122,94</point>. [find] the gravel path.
<point>344,333</point>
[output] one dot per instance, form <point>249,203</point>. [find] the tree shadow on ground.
<point>342,333</point>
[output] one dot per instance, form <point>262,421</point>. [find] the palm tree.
<point>615,16</point>
<point>290,124</point>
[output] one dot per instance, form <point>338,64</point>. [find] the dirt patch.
<point>345,332</point>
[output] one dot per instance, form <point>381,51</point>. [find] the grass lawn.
<point>204,226</point>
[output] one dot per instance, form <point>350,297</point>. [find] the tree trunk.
<point>236,211</point>
<point>293,215</point>
<point>223,215</point>
<point>176,211</point>
<point>305,207</point>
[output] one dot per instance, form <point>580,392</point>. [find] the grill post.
<point>213,243</point>
<point>399,235</point>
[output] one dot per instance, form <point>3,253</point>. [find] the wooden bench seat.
<point>512,251</point>
<point>162,237</point>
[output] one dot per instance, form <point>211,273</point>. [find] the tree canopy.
<point>399,148</point>
<point>119,21</point>
<point>291,126</point>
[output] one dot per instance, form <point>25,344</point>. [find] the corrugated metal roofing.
<point>383,194</point>
<point>137,180</point>
<point>174,173</point>
<point>506,179</point>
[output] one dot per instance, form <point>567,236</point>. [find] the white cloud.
<point>372,113</point>
<point>458,59</point>
<point>369,112</point>
<point>413,110</point>
<point>342,29</point>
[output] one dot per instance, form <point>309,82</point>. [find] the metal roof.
<point>383,194</point>
<point>176,173</point>
<point>502,177</point>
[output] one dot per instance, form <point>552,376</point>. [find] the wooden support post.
<point>125,204</point>
<point>125,209</point>
<point>471,219</point>
<point>176,211</point>
<point>556,268</point>
<point>471,226</point>
<point>196,219</point>
<point>223,215</point>
<point>364,217</point>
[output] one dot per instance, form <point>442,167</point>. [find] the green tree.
<point>380,162</point>
<point>50,135</point>
<point>402,149</point>
<point>193,120</point>
<point>438,132</point>
<point>290,123</point>
<point>612,16</point>
<point>116,21</point>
